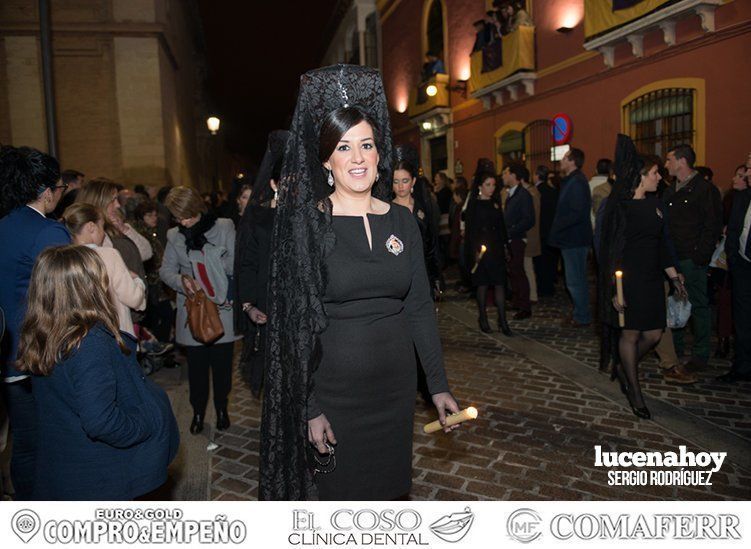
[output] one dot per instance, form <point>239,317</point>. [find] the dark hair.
<point>144,206</point>
<point>520,171</point>
<point>542,172</point>
<point>407,166</point>
<point>25,173</point>
<point>162,194</point>
<point>705,172</point>
<point>70,176</point>
<point>140,189</point>
<point>684,151</point>
<point>603,166</point>
<point>461,183</point>
<point>740,167</point>
<point>577,155</point>
<point>336,124</point>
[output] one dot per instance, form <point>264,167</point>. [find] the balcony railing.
<point>420,99</point>
<point>493,69</point>
<point>604,28</point>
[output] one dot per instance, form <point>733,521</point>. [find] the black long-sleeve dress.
<point>485,225</point>
<point>645,257</point>
<point>429,242</point>
<point>379,310</point>
<point>253,279</point>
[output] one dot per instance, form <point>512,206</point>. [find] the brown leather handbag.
<point>203,318</point>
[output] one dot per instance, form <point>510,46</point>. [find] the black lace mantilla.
<point>301,240</point>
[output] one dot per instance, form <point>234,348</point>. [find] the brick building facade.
<point>128,83</point>
<point>663,71</point>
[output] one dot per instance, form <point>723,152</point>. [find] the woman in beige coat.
<point>86,225</point>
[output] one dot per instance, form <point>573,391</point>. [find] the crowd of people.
<point>329,269</point>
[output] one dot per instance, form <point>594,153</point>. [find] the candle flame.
<point>483,248</point>
<point>619,274</point>
<point>472,412</point>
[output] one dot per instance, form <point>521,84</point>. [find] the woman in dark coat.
<point>410,193</point>
<point>105,431</point>
<point>252,261</point>
<point>634,241</point>
<point>485,226</point>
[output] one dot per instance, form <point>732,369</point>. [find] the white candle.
<point>619,297</point>
<point>453,419</point>
<point>483,249</point>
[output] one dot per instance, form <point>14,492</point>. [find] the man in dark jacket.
<point>520,217</point>
<point>30,188</point>
<point>572,233</point>
<point>738,250</point>
<point>695,224</point>
<point>546,264</point>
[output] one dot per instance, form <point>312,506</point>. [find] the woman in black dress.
<point>485,226</point>
<point>636,243</point>
<point>413,196</point>
<point>349,301</point>
<point>252,262</point>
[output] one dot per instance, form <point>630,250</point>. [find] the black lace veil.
<point>627,166</point>
<point>302,238</point>
<point>260,198</point>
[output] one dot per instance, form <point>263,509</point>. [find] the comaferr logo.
<point>588,526</point>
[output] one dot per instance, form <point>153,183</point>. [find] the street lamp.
<point>213,124</point>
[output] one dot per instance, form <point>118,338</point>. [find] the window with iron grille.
<point>538,136</point>
<point>511,147</point>
<point>660,120</point>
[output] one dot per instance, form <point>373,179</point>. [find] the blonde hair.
<point>185,202</point>
<point>78,214</point>
<point>98,192</point>
<point>68,295</point>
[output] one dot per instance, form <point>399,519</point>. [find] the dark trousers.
<point>201,359</point>
<point>519,282</point>
<point>700,321</point>
<point>546,270</point>
<point>740,271</point>
<point>19,399</point>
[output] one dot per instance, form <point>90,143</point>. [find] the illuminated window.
<point>661,119</point>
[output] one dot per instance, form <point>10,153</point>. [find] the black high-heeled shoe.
<point>222,420</point>
<point>642,412</point>
<point>196,426</point>
<point>504,328</point>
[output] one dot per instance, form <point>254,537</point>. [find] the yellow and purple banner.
<point>603,15</point>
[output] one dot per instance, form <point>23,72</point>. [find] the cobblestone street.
<point>543,407</point>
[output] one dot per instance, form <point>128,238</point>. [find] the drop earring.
<point>377,176</point>
<point>331,178</point>
<point>276,196</point>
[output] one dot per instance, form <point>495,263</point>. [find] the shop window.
<point>511,147</point>
<point>661,119</point>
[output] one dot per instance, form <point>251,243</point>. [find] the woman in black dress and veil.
<point>349,301</point>
<point>485,227</point>
<point>252,255</point>
<point>635,242</point>
<point>410,192</point>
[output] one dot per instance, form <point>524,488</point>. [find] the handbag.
<point>203,318</point>
<point>678,312</point>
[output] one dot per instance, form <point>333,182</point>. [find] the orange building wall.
<point>588,91</point>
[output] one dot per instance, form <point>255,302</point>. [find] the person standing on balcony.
<point>433,65</point>
<point>695,224</point>
<point>520,217</point>
<point>514,16</point>
<point>572,233</point>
